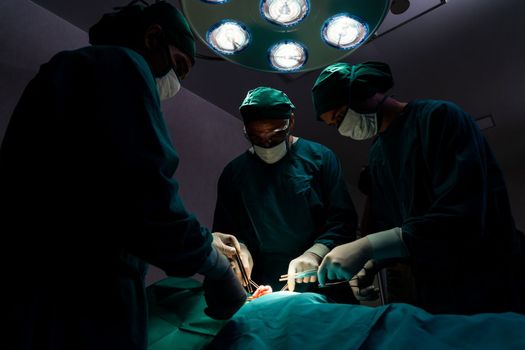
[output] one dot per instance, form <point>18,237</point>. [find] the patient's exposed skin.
<point>260,291</point>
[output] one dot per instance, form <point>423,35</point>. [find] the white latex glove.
<point>388,244</point>
<point>363,283</point>
<point>305,262</point>
<point>226,244</point>
<point>247,261</point>
<point>344,261</point>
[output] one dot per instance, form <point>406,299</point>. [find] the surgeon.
<point>438,198</point>
<point>284,199</point>
<point>88,195</point>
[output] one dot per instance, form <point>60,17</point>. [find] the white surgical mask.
<point>358,126</point>
<point>168,85</point>
<point>273,154</point>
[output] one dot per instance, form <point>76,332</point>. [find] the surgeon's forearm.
<point>215,264</point>
<point>388,244</point>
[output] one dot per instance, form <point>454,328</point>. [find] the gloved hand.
<point>223,292</point>
<point>226,244</point>
<point>247,262</point>
<point>305,262</point>
<point>363,283</point>
<point>344,261</point>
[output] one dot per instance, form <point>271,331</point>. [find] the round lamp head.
<point>344,31</point>
<point>288,56</point>
<point>283,36</point>
<point>228,37</point>
<point>284,12</point>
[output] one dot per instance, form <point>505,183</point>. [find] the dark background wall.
<point>29,36</point>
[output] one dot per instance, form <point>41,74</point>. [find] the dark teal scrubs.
<point>280,210</point>
<point>87,195</point>
<point>434,175</point>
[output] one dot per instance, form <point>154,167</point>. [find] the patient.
<point>287,320</point>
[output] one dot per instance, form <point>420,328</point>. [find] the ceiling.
<point>468,51</point>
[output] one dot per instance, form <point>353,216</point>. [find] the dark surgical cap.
<point>341,84</point>
<point>266,103</point>
<point>125,26</point>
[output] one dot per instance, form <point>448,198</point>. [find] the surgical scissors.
<point>246,280</point>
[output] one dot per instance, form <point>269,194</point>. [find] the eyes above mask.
<point>168,85</point>
<point>271,146</point>
<point>270,139</point>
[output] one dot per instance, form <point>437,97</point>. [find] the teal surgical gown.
<point>87,195</point>
<point>281,210</point>
<point>434,175</point>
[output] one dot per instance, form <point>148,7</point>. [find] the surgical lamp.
<point>284,36</point>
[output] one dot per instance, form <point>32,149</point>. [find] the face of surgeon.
<point>335,116</point>
<point>163,56</point>
<point>268,132</point>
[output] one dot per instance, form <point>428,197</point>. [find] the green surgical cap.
<point>128,23</point>
<point>174,25</point>
<point>266,103</point>
<point>341,84</point>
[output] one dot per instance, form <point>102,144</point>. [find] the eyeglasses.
<point>268,139</point>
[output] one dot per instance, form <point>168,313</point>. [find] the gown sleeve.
<point>128,110</point>
<point>454,157</point>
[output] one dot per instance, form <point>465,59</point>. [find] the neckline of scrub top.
<point>396,123</point>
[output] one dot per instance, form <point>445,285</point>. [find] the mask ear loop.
<point>379,116</point>
<point>248,138</point>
